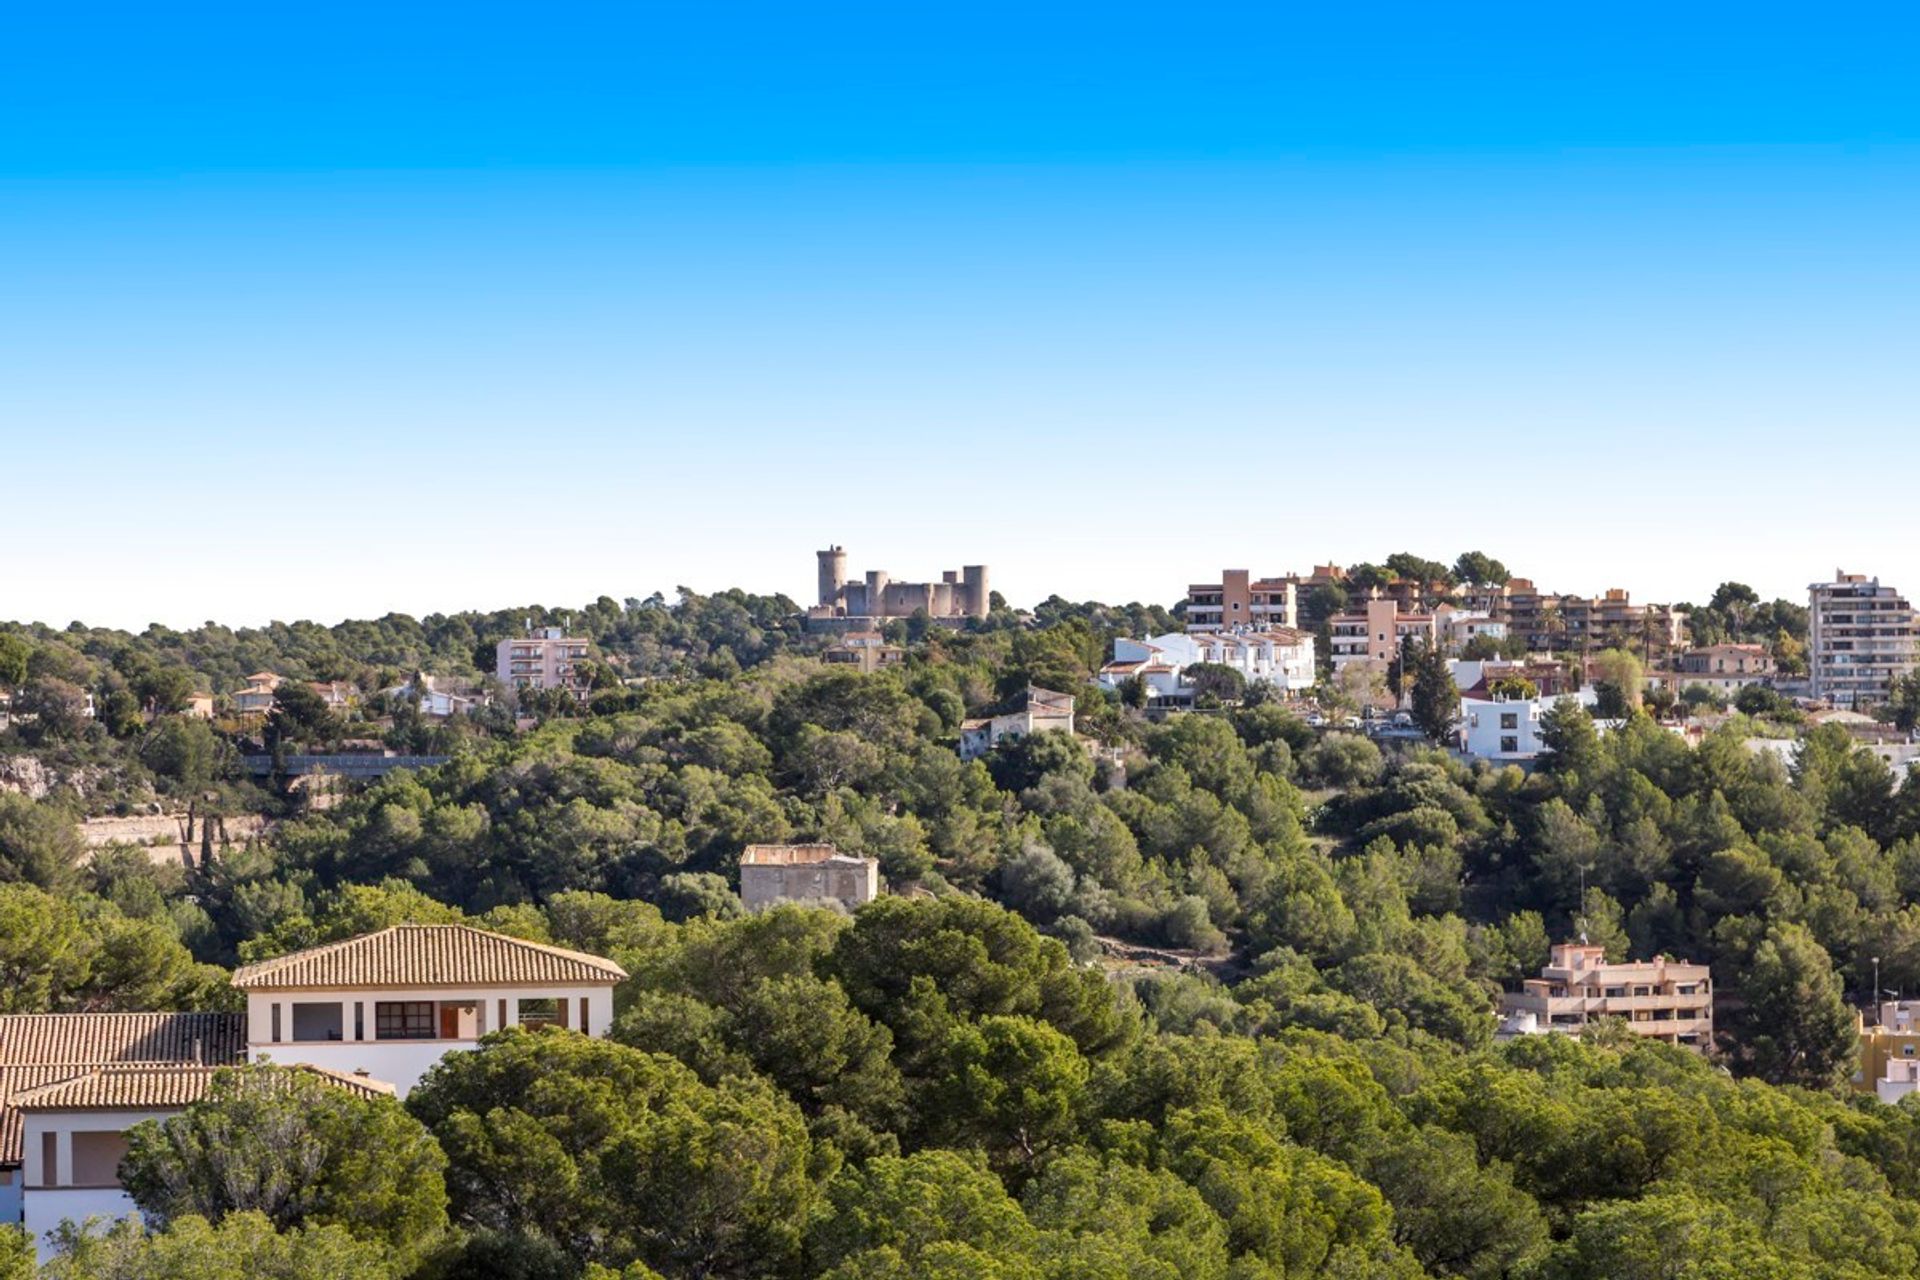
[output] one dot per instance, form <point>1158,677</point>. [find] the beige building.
<point>1040,710</point>
<point>866,651</point>
<point>1239,602</point>
<point>256,698</point>
<point>771,874</point>
<point>548,658</point>
<point>1889,1065</point>
<point>1666,1000</point>
<point>1374,632</point>
<point>1861,638</point>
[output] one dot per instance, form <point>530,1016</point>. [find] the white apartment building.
<point>1861,638</point>
<point>1456,627</point>
<point>1282,658</point>
<point>546,659</point>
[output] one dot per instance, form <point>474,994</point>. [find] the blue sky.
<point>346,310</point>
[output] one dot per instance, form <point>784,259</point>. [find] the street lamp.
<point>1876,989</point>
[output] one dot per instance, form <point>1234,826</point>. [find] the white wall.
<point>46,1210</point>
<point>46,1207</point>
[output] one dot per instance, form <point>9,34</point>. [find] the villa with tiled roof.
<point>393,1003</point>
<point>371,1014</point>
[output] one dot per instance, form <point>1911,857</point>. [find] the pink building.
<point>546,659</point>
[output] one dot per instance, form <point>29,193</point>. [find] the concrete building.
<point>1724,668</point>
<point>1040,710</point>
<point>1861,638</point>
<point>865,650</point>
<point>1279,657</point>
<point>1374,632</point>
<point>1666,1000</point>
<point>548,658</point>
<point>817,874</point>
<point>1889,1065</point>
<point>393,1003</point>
<point>959,595</point>
<point>1550,623</point>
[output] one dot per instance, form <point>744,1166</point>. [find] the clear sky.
<point>324,311</point>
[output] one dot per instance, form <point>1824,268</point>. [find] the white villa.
<point>74,1134</point>
<point>371,1014</point>
<point>393,1003</point>
<point>1278,656</point>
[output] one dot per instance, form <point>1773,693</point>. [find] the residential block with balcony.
<point>546,659</point>
<point>1375,632</point>
<point>1666,1000</point>
<point>1861,637</point>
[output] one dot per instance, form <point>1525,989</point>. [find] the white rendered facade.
<point>71,1167</point>
<point>1509,728</point>
<point>1281,658</point>
<point>341,1029</point>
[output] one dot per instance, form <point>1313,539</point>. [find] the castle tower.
<point>976,592</point>
<point>833,572</point>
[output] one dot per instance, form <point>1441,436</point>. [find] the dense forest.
<point>1212,1000</point>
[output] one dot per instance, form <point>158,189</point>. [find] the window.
<point>316,1021</point>
<point>1510,745</point>
<point>542,1012</point>
<point>97,1157</point>
<point>1509,719</point>
<point>403,1020</point>
<point>1906,1051</point>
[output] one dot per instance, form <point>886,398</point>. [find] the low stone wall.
<point>161,834</point>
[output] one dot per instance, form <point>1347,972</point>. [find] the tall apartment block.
<point>544,659</point>
<point>1861,638</point>
<point>960,594</point>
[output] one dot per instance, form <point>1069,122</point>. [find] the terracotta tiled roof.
<point>39,1049</point>
<point>428,955</point>
<point>13,1082</point>
<point>93,1039</point>
<point>154,1085</point>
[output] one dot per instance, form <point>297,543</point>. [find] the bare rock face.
<point>36,779</point>
<point>27,776</point>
